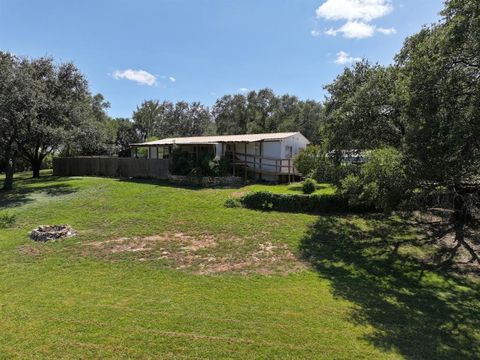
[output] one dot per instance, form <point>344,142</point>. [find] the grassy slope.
<point>355,302</point>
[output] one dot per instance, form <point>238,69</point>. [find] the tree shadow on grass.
<point>23,195</point>
<point>299,187</point>
<point>187,186</point>
<point>415,311</point>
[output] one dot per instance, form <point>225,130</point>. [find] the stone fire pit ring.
<point>52,232</point>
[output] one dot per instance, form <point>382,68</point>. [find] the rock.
<point>51,232</point>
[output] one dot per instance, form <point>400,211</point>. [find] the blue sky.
<point>198,50</point>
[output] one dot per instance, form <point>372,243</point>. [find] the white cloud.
<point>387,31</point>
<point>315,33</point>
<point>141,77</point>
<point>357,14</point>
<point>344,58</point>
<point>172,79</point>
<point>243,90</point>
<point>365,10</point>
<point>353,30</point>
<point>331,32</point>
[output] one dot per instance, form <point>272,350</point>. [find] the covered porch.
<point>249,157</point>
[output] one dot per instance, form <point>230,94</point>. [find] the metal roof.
<point>197,140</point>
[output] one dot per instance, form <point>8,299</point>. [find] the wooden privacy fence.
<point>111,167</point>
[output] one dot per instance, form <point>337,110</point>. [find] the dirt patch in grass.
<point>202,254</point>
<point>238,194</point>
<point>32,250</point>
<point>444,250</point>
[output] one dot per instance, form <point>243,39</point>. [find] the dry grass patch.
<point>203,254</point>
<point>31,250</point>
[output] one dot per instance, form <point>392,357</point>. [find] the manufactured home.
<point>261,156</point>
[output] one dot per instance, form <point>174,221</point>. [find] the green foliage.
<point>126,134</point>
<point>40,103</point>
<point>263,111</point>
<point>6,220</point>
<point>146,118</point>
<point>47,162</point>
<point>224,166</point>
<point>382,182</point>
<point>166,119</point>
<point>307,160</point>
<point>96,133</point>
<point>205,166</point>
<point>264,200</point>
<point>441,73</point>
<point>316,163</point>
<point>309,186</point>
<point>232,203</point>
<point>181,162</point>
<point>363,110</point>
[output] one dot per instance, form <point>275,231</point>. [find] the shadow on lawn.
<point>420,314</point>
<point>25,194</point>
<point>299,187</point>
<point>171,184</point>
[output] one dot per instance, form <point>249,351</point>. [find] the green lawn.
<point>163,272</point>
<point>295,188</point>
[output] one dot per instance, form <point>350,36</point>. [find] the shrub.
<point>307,159</point>
<point>224,166</point>
<point>351,188</point>
<point>181,163</point>
<point>47,162</point>
<point>316,163</point>
<point>6,220</point>
<point>264,200</point>
<point>232,203</point>
<point>309,186</point>
<point>382,182</point>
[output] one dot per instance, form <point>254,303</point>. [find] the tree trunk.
<point>461,216</point>
<point>459,219</point>
<point>9,172</point>
<point>36,165</point>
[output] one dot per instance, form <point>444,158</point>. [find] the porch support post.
<point>245,161</point>
<point>289,180</point>
<point>233,159</point>
<point>260,160</point>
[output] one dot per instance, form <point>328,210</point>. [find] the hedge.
<point>264,200</point>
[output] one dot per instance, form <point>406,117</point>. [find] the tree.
<point>230,114</point>
<point>263,111</point>
<point>312,121</point>
<point>260,110</point>
<point>160,120</point>
<point>19,103</point>
<point>126,135</point>
<point>441,69</point>
<point>95,134</point>
<point>364,108</point>
<point>146,118</point>
<point>60,93</point>
<point>382,182</point>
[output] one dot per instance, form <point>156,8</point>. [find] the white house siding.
<point>152,152</point>
<point>297,142</point>
<point>274,152</point>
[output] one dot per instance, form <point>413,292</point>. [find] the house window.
<point>163,152</point>
<point>288,151</point>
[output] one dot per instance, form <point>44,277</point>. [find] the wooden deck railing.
<point>264,165</point>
